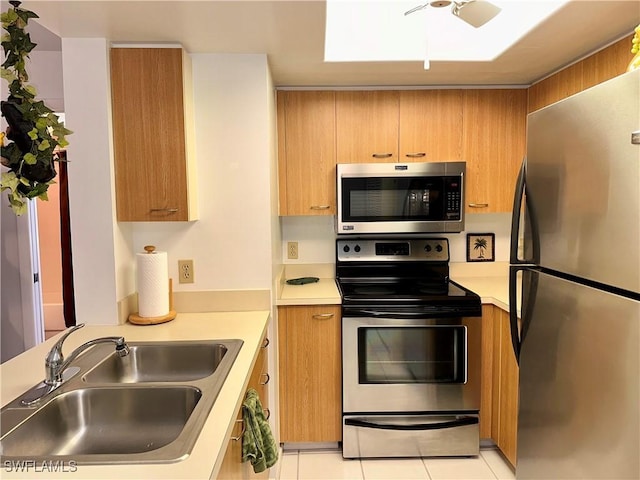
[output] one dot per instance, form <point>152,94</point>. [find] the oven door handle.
<point>383,314</point>
<point>459,422</point>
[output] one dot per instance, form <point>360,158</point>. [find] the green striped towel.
<point>258,444</point>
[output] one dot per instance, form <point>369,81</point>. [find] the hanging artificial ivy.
<point>34,132</point>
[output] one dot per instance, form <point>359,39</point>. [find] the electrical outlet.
<point>185,271</point>
<point>292,250</point>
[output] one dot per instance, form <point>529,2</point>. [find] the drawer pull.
<point>322,316</point>
<point>416,155</point>
<point>320,207</point>
<point>267,413</point>
<point>168,210</point>
<point>244,427</point>
<point>382,155</point>
<point>266,343</point>
<point>267,380</point>
<point>478,205</point>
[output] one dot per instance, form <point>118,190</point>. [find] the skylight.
<point>378,30</point>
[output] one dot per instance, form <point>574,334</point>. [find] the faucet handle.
<point>55,354</point>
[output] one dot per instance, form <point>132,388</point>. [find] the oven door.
<point>410,365</point>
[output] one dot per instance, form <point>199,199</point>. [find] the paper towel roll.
<point>153,284</point>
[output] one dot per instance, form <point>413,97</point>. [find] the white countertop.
<point>489,280</point>
<point>26,370</point>
<point>323,292</point>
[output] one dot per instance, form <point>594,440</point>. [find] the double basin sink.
<point>146,407</point>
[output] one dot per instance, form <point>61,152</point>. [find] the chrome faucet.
<point>55,363</point>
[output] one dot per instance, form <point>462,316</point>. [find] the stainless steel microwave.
<point>379,198</point>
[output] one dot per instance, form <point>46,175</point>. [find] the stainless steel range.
<point>410,351</point>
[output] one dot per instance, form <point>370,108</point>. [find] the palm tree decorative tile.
<point>481,247</point>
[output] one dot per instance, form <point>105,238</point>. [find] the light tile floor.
<point>329,465</point>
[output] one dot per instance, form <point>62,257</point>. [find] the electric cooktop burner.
<point>402,274</point>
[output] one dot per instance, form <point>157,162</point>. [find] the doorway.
<point>56,270</point>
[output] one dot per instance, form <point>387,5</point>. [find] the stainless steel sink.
<point>159,362</point>
<point>94,421</point>
<point>149,410</point>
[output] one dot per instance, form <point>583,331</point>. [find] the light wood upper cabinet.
<point>152,134</point>
<point>307,152</point>
<point>494,131</point>
<point>597,68</point>
<point>367,126</point>
<point>310,376</point>
<point>430,125</point>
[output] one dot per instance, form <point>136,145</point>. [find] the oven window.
<point>429,354</point>
<point>392,199</point>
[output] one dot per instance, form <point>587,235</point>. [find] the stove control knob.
<point>357,248</point>
<point>438,248</point>
<point>346,249</point>
<point>427,248</point>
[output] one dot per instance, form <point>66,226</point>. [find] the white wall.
<point>45,73</point>
<point>316,237</point>
<point>100,246</point>
<point>231,242</point>
<point>11,316</point>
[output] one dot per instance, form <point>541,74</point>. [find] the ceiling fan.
<point>474,12</point>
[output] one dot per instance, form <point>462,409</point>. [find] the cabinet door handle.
<point>266,343</point>
<point>416,155</point>
<point>267,380</point>
<point>478,205</point>
<point>168,210</point>
<point>382,155</point>
<point>267,413</point>
<point>320,207</point>
<point>244,427</point>
<point>322,316</point>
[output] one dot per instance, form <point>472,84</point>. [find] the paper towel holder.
<point>138,320</point>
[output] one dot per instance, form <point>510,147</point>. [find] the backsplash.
<point>316,237</point>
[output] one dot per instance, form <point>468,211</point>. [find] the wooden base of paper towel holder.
<point>138,320</point>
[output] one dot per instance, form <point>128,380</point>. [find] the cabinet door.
<point>310,373</point>
<point>430,125</point>
<point>487,368</point>
<point>307,152</point>
<point>367,126</point>
<point>149,134</point>
<point>505,388</point>
<point>232,467</point>
<point>494,123</point>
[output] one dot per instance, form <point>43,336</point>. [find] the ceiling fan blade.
<point>475,12</point>
<point>415,9</point>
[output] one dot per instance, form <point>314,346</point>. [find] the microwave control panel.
<point>453,198</point>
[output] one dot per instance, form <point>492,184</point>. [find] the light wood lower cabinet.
<point>232,466</point>
<point>499,397</point>
<point>310,376</point>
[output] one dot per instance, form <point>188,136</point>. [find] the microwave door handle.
<point>459,422</point>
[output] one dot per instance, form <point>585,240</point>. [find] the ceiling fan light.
<point>475,12</point>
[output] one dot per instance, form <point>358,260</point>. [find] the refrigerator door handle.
<point>513,311</point>
<point>529,291</point>
<point>515,215</point>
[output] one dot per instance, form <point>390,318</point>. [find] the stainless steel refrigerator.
<point>577,337</point>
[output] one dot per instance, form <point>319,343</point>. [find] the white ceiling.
<point>291,33</point>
